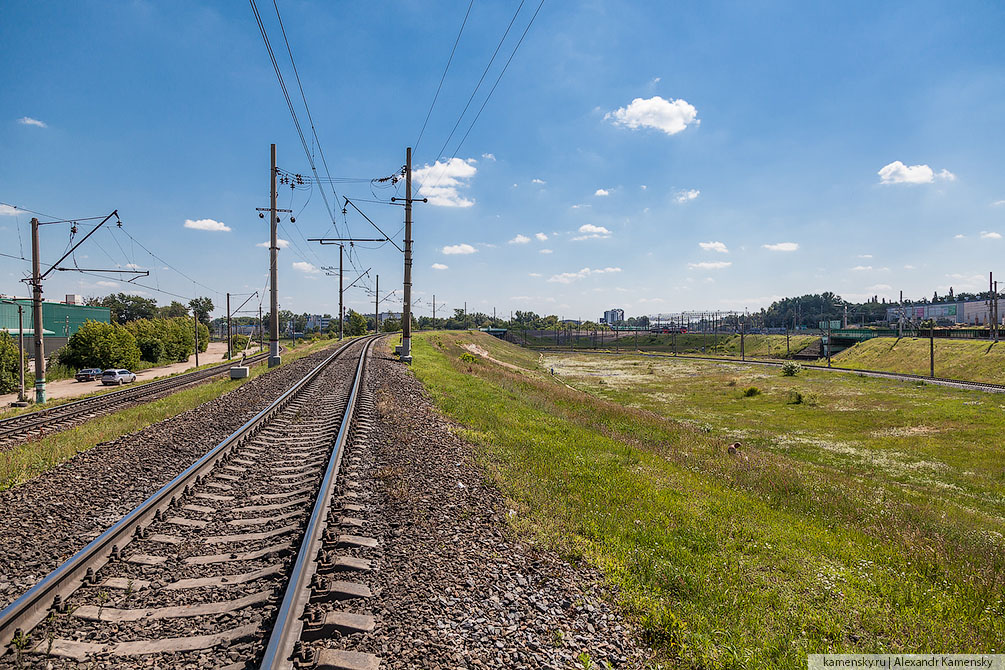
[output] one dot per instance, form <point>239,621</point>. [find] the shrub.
<point>469,357</point>
<point>751,391</point>
<point>151,349</point>
<point>9,371</point>
<point>795,398</point>
<point>791,369</point>
<point>101,345</point>
<point>239,342</point>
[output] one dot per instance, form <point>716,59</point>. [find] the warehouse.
<point>972,312</point>
<point>60,320</point>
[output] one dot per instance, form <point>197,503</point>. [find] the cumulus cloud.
<point>7,210</point>
<point>545,251</point>
<point>601,192</point>
<point>782,246</point>
<point>535,180</point>
<point>861,268</point>
<point>714,246</point>
<point>998,203</point>
<point>305,267</point>
<point>898,173</point>
<point>684,196</point>
<point>438,266</point>
<point>28,121</point>
<point>592,232</point>
<point>533,274</point>
<point>670,116</point>
<point>207,224</point>
<point>990,235</point>
<point>569,277</point>
<point>462,249</point>
<point>643,187</point>
<point>709,265</point>
<point>864,256</point>
<point>489,157</point>
<point>520,239</point>
<point>280,242</point>
<point>959,236</point>
<point>880,287</point>
<point>440,182</point>
<point>541,236</point>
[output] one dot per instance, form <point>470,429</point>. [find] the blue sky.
<point>647,155</point>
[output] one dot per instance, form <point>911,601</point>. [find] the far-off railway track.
<point>249,558</point>
<point>59,417</point>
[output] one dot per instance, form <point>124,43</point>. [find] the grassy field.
<point>29,459</point>
<point>754,346</point>
<point>860,515</point>
<point>971,360</point>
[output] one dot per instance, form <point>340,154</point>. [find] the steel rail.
<point>59,413</point>
<point>31,608</point>
<point>901,376</point>
<point>289,623</point>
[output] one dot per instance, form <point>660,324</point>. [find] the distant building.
<point>971,312</point>
<point>60,320</point>
<point>317,321</point>
<point>612,316</point>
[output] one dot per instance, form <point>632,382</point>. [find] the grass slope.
<point>29,459</point>
<point>970,360</point>
<point>754,346</point>
<point>730,562</point>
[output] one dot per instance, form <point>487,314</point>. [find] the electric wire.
<point>443,76</point>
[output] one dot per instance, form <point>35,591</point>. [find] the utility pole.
<point>900,320</point>
<point>230,338</point>
<point>274,358</point>
<point>36,297</point>
<point>195,317</point>
<point>376,307</point>
<point>931,350</point>
<point>341,318</point>
<point>261,334</point>
<point>434,307</point>
<point>743,354</point>
<point>406,309</point>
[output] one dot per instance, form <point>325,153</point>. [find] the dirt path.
<point>478,351</point>
<point>71,388</point>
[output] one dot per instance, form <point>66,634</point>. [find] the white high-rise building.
<point>612,316</point>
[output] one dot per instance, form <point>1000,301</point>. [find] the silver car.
<point>117,377</point>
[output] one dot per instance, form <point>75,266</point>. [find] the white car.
<point>119,377</point>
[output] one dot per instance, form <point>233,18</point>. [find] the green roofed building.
<point>60,320</point>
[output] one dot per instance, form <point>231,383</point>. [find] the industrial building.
<point>612,316</point>
<point>972,312</point>
<point>60,320</point>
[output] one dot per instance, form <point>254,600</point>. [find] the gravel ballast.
<point>456,588</point>
<point>48,519</point>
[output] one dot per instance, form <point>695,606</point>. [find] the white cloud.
<point>670,116</point>
<point>684,196</point>
<point>864,256</point>
<point>7,210</point>
<point>643,187</point>
<point>305,267</point>
<point>489,157</point>
<point>535,180</point>
<point>580,206</point>
<point>782,246</point>
<point>959,236</point>
<point>462,249</point>
<point>861,268</point>
<point>106,284</point>
<point>132,266</point>
<point>280,242</point>
<point>438,266</point>
<point>651,300</point>
<point>569,277</point>
<point>601,192</point>
<point>998,203</point>
<point>880,287</point>
<point>28,121</point>
<point>541,236</point>
<point>908,267</point>
<point>990,235</point>
<point>533,274</point>
<point>714,246</point>
<point>207,224</point>
<point>520,239</point>
<point>592,232</point>
<point>545,251</point>
<point>709,265</point>
<point>440,182</point>
<point>898,173</point>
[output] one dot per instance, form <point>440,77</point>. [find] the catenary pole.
<point>36,293</point>
<point>341,325</point>
<point>195,318</point>
<point>230,337</point>
<point>274,358</point>
<point>376,306</point>
<point>406,308</point>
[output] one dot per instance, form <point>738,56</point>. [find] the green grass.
<point>842,526</point>
<point>754,346</point>
<point>29,459</point>
<point>971,360</point>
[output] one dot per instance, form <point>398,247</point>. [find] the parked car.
<point>111,377</point>
<point>88,375</point>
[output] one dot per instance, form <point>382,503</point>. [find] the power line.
<point>444,75</point>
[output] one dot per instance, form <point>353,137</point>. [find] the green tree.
<point>175,309</point>
<point>391,325</point>
<point>125,308</point>
<point>355,324</point>
<point>10,372</point>
<point>201,307</point>
<point>101,345</point>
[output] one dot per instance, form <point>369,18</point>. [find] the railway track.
<point>937,381</point>
<point>246,558</point>
<point>45,421</point>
